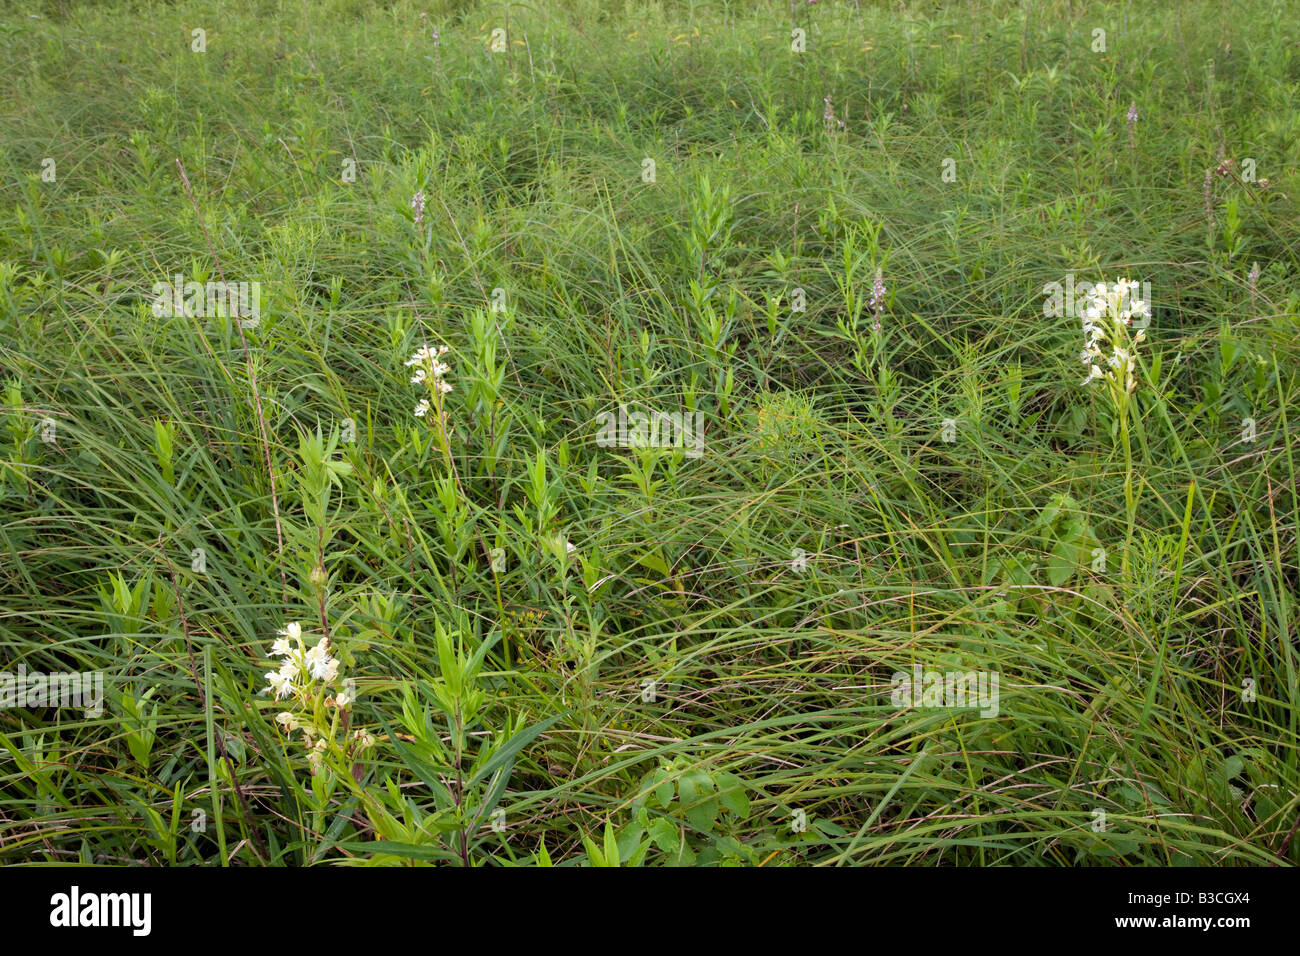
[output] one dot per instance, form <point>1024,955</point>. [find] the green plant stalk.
<point>1130,497</point>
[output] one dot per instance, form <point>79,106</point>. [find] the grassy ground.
<point>689,658</point>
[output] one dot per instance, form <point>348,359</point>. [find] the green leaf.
<point>701,809</point>
<point>612,855</point>
<point>410,850</point>
<point>664,789</point>
<point>419,766</point>
<point>703,815</point>
<point>655,563</point>
<point>1061,565</point>
<point>510,748</point>
<point>593,852</point>
<point>731,791</point>
<point>664,835</point>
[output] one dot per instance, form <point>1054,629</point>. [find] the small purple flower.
<point>417,204</point>
<point>1132,122</point>
<point>828,117</point>
<point>1253,276</point>
<point>878,298</point>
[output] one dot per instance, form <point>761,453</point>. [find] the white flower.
<point>277,682</point>
<point>1113,301</point>
<point>292,630</point>
<point>429,357</point>
<point>423,355</point>
<point>430,373</point>
<point>280,647</point>
<point>341,699</point>
<point>287,720</point>
<point>323,667</point>
<point>289,669</point>
<point>319,663</point>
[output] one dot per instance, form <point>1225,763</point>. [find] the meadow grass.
<point>566,652</point>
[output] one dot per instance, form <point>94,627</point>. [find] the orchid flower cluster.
<point>1115,302</point>
<point>429,371</point>
<point>305,675</point>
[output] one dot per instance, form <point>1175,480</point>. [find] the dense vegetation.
<point>546,646</point>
